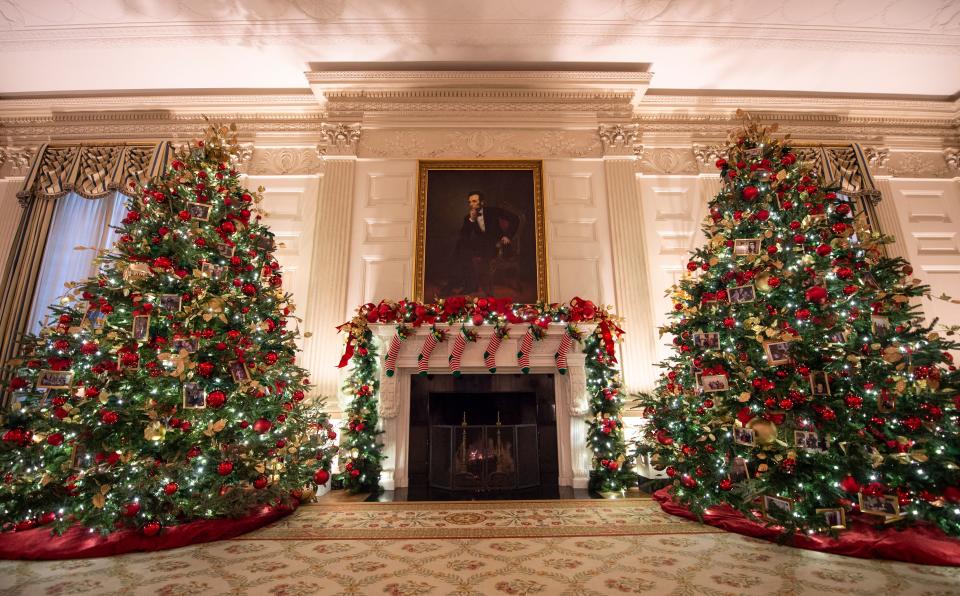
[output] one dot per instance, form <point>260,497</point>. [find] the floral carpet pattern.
<point>370,553</point>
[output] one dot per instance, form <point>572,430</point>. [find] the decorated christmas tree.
<point>164,389</point>
<point>804,385</point>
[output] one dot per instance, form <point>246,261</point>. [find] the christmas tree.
<point>804,384</point>
<point>164,389</point>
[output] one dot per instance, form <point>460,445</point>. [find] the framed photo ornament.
<point>480,230</point>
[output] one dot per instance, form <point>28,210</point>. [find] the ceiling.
<point>874,47</point>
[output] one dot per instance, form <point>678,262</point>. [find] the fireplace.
<point>491,436</point>
<point>561,405</point>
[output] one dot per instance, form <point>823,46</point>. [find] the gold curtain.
<point>92,172</point>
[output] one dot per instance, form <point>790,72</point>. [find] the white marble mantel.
<point>573,406</point>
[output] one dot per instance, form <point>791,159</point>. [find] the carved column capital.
<point>339,139</point>
<point>707,156</point>
<point>241,161</point>
<point>620,140</point>
<point>952,156</point>
<point>877,157</point>
<point>15,161</point>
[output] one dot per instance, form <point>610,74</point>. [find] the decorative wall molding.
<point>285,161</point>
<point>620,140</point>
<point>919,164</point>
<point>478,143</point>
<point>668,161</point>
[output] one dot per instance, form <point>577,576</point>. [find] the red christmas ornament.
<point>224,468</point>
<point>816,294</point>
<point>216,399</point>
<point>171,488</point>
<point>260,482</point>
<point>56,439</point>
<point>151,528</point>
<point>262,425</point>
<point>750,193</point>
<point>321,477</point>
<point>108,417</point>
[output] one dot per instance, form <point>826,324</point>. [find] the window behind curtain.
<point>76,222</point>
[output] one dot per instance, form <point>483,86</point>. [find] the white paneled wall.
<point>673,208</point>
<point>382,235</point>
<point>579,261</point>
<point>290,204</point>
<point>929,216</point>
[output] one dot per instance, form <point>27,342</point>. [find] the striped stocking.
<point>561,356</point>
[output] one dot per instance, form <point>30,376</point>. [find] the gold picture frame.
<point>513,264</point>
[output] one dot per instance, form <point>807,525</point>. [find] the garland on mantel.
<point>361,453</point>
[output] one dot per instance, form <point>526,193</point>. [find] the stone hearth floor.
<point>552,548</point>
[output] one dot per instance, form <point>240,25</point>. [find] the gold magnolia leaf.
<point>99,501</point>
<point>105,489</point>
<point>744,397</point>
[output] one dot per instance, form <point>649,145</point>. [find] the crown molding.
<point>298,119</point>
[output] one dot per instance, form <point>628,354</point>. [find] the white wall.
<point>290,203</point>
<point>928,211</point>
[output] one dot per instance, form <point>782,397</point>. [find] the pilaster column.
<point>887,218</point>
<point>326,303</point>
<point>630,257</point>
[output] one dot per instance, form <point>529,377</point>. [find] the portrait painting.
<point>480,230</point>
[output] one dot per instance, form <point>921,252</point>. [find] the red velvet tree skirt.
<point>80,543</point>
<point>922,543</point>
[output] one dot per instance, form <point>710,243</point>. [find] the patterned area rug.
<point>518,548</point>
<point>473,519</point>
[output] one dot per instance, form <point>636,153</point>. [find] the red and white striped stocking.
<point>523,356</point>
<point>561,356</point>
<point>393,352</point>
<point>490,355</point>
<point>423,360</point>
<point>459,344</point>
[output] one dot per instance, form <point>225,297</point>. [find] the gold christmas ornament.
<point>762,282</point>
<point>765,432</point>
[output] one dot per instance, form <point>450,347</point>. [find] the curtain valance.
<point>92,171</point>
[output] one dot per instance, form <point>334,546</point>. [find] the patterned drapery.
<point>92,171</point>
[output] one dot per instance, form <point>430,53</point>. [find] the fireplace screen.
<point>484,457</point>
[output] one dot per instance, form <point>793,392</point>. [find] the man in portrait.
<point>486,234</point>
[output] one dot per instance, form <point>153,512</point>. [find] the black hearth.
<point>482,437</point>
